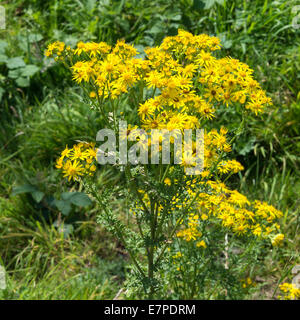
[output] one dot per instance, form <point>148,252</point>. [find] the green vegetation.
<point>52,247</point>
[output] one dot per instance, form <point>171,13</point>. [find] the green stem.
<point>165,173</point>
<point>133,185</point>
<point>120,234</point>
<point>151,250</point>
<point>176,226</point>
<point>100,102</point>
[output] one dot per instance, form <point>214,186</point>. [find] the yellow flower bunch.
<point>77,161</point>
<point>219,205</point>
<point>92,48</point>
<point>290,292</point>
<point>246,283</point>
<point>191,233</point>
<point>189,79</point>
<point>177,255</point>
<point>277,239</point>
<point>178,85</point>
<point>229,208</point>
<point>56,47</point>
<point>187,84</point>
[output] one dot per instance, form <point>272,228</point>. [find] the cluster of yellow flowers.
<point>77,161</point>
<point>178,85</point>
<point>246,283</point>
<point>218,204</point>
<point>290,291</point>
<point>185,80</point>
<point>56,47</point>
<point>190,81</point>
<point>192,232</point>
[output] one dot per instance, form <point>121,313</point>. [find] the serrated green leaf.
<point>16,62</point>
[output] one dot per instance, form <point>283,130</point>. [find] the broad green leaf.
<point>3,58</point>
<point>67,195</point>
<point>210,3</point>
<point>80,199</point>
<point>29,70</point>
<point>63,206</point>
<point>198,5</point>
<point>226,43</point>
<point>71,40</point>
<point>141,53</point>
<point>16,62</point>
<point>22,82</point>
<point>38,196</point>
<point>35,37</point>
<point>67,229</point>
<point>3,46</point>
<point>176,17</point>
<point>124,24</point>
<point>14,74</point>
<point>157,28</point>
<point>77,198</point>
<point>23,189</point>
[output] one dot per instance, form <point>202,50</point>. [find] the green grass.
<point>39,119</point>
<point>43,263</point>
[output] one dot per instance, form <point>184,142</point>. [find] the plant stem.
<point>121,237</point>
<point>176,226</point>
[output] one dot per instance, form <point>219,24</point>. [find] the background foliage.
<point>51,246</point>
